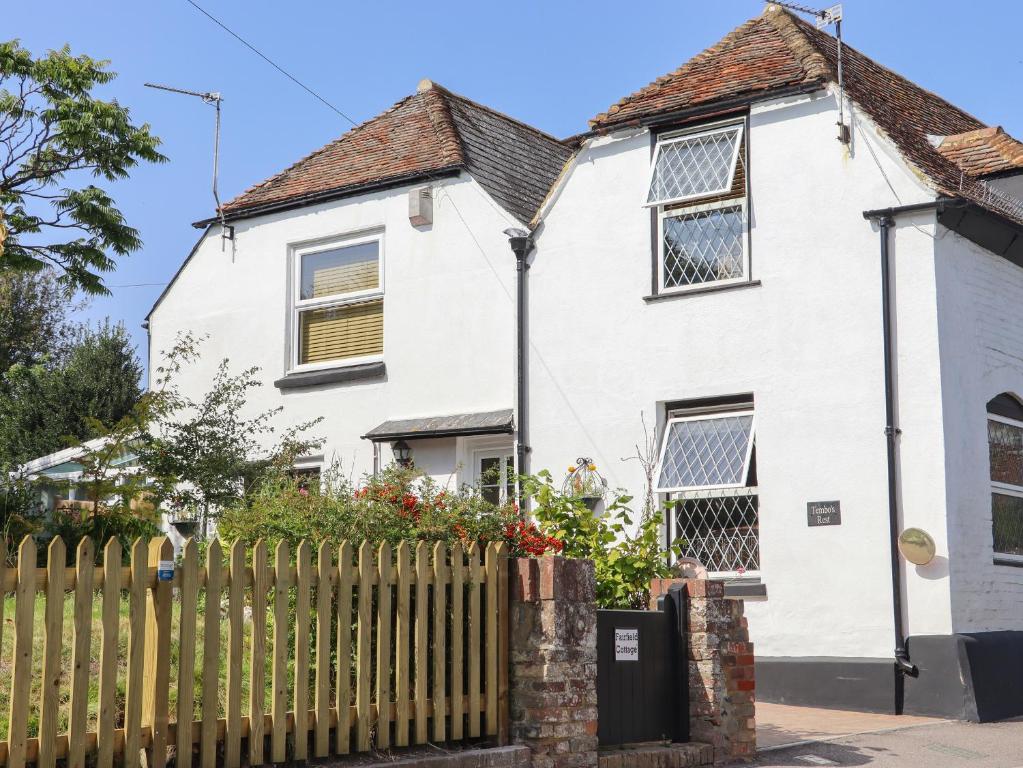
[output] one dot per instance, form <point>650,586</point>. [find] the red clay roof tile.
<point>982,152</point>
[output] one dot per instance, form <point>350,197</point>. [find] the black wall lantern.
<point>402,453</point>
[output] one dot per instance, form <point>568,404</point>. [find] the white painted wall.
<point>448,316</point>
<point>980,303</point>
<point>806,342</point>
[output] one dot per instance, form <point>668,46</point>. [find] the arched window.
<point>1005,448</point>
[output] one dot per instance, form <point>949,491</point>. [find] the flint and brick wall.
<point>722,687</point>
<point>553,680</point>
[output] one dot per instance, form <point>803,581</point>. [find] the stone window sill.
<point>701,291</point>
<point>331,376</point>
<point>745,590</point>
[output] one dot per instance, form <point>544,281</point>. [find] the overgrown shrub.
<point>627,553</point>
<point>74,524</point>
<point>396,505</point>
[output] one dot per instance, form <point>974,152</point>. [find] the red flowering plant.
<point>526,540</point>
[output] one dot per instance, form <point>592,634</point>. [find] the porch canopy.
<point>457,425</point>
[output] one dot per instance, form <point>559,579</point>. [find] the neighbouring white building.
<point>729,253</point>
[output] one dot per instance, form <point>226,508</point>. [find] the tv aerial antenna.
<point>214,98</point>
<point>825,17</point>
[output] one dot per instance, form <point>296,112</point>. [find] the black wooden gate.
<point>642,674</point>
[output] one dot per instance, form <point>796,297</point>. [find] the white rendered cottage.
<point>373,285</point>
<point>716,240</point>
<point>710,254</point>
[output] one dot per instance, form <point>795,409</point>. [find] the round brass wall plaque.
<point>916,546</point>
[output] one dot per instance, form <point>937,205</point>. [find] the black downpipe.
<point>903,666</point>
<point>521,245</point>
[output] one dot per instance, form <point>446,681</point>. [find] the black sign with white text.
<point>823,513</point>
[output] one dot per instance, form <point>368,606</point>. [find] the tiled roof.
<point>756,57</point>
<point>982,152</point>
<point>429,132</point>
<point>777,50</point>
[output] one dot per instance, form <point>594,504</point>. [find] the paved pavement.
<point>803,736</point>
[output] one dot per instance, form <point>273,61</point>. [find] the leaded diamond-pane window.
<point>706,452</point>
<point>721,529</point>
<point>698,185</point>
<point>695,165</point>
<point>1007,524</point>
<point>1005,447</point>
<point>706,468</point>
<point>703,246</point>
<point>1005,450</point>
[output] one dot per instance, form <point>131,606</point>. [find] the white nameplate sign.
<point>626,645</point>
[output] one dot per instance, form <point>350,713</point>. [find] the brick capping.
<point>722,683</point>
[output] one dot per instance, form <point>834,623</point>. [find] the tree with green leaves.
<point>54,135</point>
<point>201,456</point>
<point>47,405</point>
<point>34,318</point>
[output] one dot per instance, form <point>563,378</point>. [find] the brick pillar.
<point>554,661</point>
<point>721,677</point>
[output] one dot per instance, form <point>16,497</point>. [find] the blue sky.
<point>552,64</point>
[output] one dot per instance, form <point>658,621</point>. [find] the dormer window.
<point>698,188</point>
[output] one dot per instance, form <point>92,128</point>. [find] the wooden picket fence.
<point>411,645</point>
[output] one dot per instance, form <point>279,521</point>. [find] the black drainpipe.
<point>903,666</point>
<point>521,244</point>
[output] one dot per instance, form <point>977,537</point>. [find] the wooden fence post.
<point>362,678</point>
<point>257,653</point>
<point>440,613</point>
<point>136,655</point>
<point>422,636</point>
<point>108,653</point>
<point>157,675</point>
<point>279,705</point>
<point>304,571</point>
<point>49,694</point>
<point>186,652</point>
<point>456,643</point>
<point>342,741</point>
<point>384,648</point>
<point>211,656</point>
<point>493,638</point>
<point>235,637</point>
<point>475,635</point>
<point>322,693</point>
<point>402,661</point>
<point>21,686</point>
<point>85,569</point>
<point>503,647</point>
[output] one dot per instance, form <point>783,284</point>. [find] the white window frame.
<point>507,457</point>
<point>678,138</point>
<point>1003,489</point>
<point>713,491</point>
<point>704,417</point>
<point>671,213</point>
<point>299,305</point>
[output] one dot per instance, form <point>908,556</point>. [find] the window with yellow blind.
<point>339,305</point>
